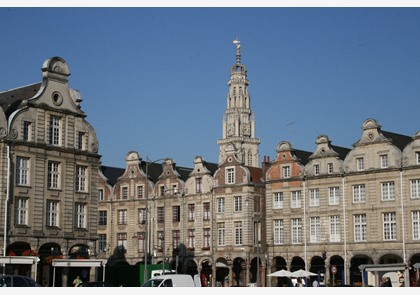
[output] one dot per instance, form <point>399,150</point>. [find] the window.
<point>141,215</point>
<point>198,185</point>
<point>27,131</point>
<point>101,194</point>
<point>141,242</point>
<point>191,238</point>
<point>238,233</point>
<point>206,238</point>
<point>52,213</point>
<point>333,195</point>
<point>122,242</point>
<point>54,130</point>
<point>415,216</point>
<point>237,203</point>
<point>314,197</point>
<point>102,218</point>
<point>102,243</point>
<point>330,168</point>
<point>384,161</point>
<point>359,193</point>
<point>220,205</point>
<point>140,191</point>
<point>278,231</point>
<point>278,200</point>
<point>230,175</point>
<point>80,218</point>
<point>122,216</point>
<point>124,192</point>
<point>161,214</point>
<point>81,140</point>
<point>191,212</point>
<point>21,211</point>
<point>388,191</point>
<point>390,226</point>
<point>206,211</point>
<point>296,199</point>
<point>315,225</point>
<point>221,234</point>
<point>418,157</point>
<point>335,228</point>
<point>174,189</point>
<point>22,171</point>
<point>360,228</point>
<point>297,236</point>
<point>176,213</point>
<point>415,188</point>
<point>316,169</point>
<point>175,239</point>
<point>360,165</point>
<point>286,171</point>
<point>161,238</point>
<point>54,175</point>
<point>162,190</point>
<point>81,179</point>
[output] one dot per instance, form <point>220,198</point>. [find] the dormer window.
<point>384,161</point>
<point>54,130</point>
<point>286,172</point>
<point>230,175</point>
<point>316,169</point>
<point>360,165</point>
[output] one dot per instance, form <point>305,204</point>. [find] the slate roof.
<point>399,140</point>
<point>342,151</point>
<point>302,155</point>
<point>11,99</point>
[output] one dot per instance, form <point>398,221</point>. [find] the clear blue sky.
<point>154,80</point>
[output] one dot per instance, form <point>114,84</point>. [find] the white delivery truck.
<point>174,280</point>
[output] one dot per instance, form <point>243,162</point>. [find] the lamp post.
<point>256,234</point>
<point>146,236</point>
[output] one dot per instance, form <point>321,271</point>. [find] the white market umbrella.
<point>281,273</point>
<point>302,273</point>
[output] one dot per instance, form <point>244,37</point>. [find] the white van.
<point>174,280</point>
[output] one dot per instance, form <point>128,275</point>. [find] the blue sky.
<point>154,80</point>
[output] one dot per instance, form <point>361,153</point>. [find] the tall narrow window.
<point>237,203</point>
<point>415,216</point>
<point>360,228</point>
<point>175,239</point>
<point>124,192</point>
<point>161,237</point>
<point>27,131</point>
<point>81,140</point>
<point>297,236</point>
<point>22,171</point>
<point>335,228</point>
<point>122,217</point>
<point>101,194</point>
<point>191,212</point>
<point>221,234</point>
<point>333,195</point>
<point>206,238</point>
<point>161,214</point>
<point>238,233</point>
<point>220,205</point>
<point>418,157</point>
<point>315,225</point>
<point>359,193</point>
<point>360,164</point>
<point>330,168</point>
<point>141,242</point>
<point>191,238</point>
<point>278,231</point>
<point>390,226</point>
<point>278,200</point>
<point>102,243</point>
<point>384,161</point>
<point>314,197</point>
<point>198,185</point>
<point>316,169</point>
<point>122,242</point>
<point>80,217</point>
<point>176,210</point>
<point>53,175</point>
<point>286,172</point>
<point>52,214</point>
<point>54,130</point>
<point>230,175</point>
<point>296,199</point>
<point>102,217</point>
<point>206,211</point>
<point>388,191</point>
<point>21,211</point>
<point>140,191</point>
<point>141,215</point>
<point>81,179</point>
<point>415,188</point>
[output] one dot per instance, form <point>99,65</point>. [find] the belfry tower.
<point>238,120</point>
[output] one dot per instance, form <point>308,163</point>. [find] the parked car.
<point>97,284</point>
<point>17,281</point>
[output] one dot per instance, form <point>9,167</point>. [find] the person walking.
<point>77,281</point>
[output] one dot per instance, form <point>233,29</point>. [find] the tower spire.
<point>238,50</point>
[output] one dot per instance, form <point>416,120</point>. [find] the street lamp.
<point>146,236</point>
<point>257,233</point>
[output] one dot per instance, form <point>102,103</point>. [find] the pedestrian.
<point>77,281</point>
<point>315,283</point>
